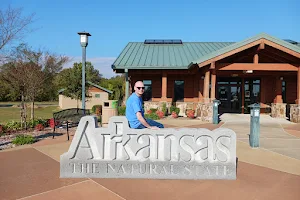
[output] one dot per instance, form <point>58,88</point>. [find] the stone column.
<point>204,108</point>
<point>298,86</point>
<point>295,108</point>
<point>278,108</point>
<point>295,113</point>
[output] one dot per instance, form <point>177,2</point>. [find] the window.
<point>283,92</point>
<point>97,95</point>
<point>179,91</point>
<point>147,96</point>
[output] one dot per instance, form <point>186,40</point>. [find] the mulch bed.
<point>6,139</point>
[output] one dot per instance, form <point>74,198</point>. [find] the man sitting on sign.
<point>135,111</point>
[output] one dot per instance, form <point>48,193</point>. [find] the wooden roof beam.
<point>258,67</point>
<point>212,65</point>
<point>261,46</point>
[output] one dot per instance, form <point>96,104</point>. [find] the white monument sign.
<point>121,152</point>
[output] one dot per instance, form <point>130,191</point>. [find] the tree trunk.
<point>32,110</point>
<point>25,116</point>
<point>22,110</point>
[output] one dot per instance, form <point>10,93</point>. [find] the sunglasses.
<point>140,88</point>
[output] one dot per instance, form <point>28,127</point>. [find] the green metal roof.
<point>93,84</point>
<point>138,55</point>
<point>244,42</point>
<point>99,87</point>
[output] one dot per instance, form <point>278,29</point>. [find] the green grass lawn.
<point>10,113</point>
<point>36,103</point>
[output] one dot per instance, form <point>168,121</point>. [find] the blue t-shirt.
<point>134,105</point>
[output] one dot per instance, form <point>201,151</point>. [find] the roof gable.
<point>92,84</point>
<point>245,42</point>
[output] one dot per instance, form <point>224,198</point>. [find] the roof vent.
<point>291,41</point>
<point>163,42</point>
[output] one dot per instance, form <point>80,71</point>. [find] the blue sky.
<point>114,23</point>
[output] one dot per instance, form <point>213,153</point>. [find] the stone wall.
<point>184,106</point>
<point>295,113</point>
<point>278,110</point>
<point>205,111</point>
<point>156,105</point>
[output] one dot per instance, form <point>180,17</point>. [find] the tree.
<point>115,84</point>
<point>28,70</point>
<point>74,75</point>
<point>13,25</point>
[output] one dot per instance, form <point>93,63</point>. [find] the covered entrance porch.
<point>261,72</point>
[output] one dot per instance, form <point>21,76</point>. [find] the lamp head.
<point>84,38</point>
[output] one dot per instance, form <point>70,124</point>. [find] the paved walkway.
<point>273,137</point>
<point>32,171</point>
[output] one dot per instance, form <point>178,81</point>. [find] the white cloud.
<point>103,64</point>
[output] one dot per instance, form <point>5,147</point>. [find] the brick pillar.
<point>213,85</point>
<point>206,86</point>
<point>278,108</point>
<point>298,87</point>
<point>164,87</point>
<point>278,97</point>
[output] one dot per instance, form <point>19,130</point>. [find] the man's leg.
<point>141,126</point>
<point>154,123</point>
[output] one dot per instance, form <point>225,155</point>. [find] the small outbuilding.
<point>97,95</point>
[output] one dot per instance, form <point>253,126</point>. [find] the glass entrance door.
<point>229,93</point>
<point>252,93</point>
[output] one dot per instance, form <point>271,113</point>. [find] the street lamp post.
<point>84,44</point>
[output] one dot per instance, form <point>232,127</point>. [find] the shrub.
<point>33,123</point>
<point>160,114</point>
<point>97,109</point>
<point>121,110</point>
<point>190,113</point>
<point>174,114</point>
<point>39,127</point>
<point>23,139</point>
<point>152,116</point>
<point>174,109</point>
<point>165,109</point>
<point>153,110</point>
<point>2,130</point>
<point>13,126</point>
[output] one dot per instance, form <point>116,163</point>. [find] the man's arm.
<point>143,121</point>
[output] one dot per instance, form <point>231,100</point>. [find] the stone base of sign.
<point>278,110</point>
<point>295,113</point>
<point>121,152</point>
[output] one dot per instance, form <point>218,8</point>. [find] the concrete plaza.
<point>269,172</point>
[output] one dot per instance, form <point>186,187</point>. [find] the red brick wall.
<point>268,86</point>
<point>190,85</point>
<point>291,89</point>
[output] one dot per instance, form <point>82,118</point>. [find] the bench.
<point>67,118</point>
<point>119,151</point>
